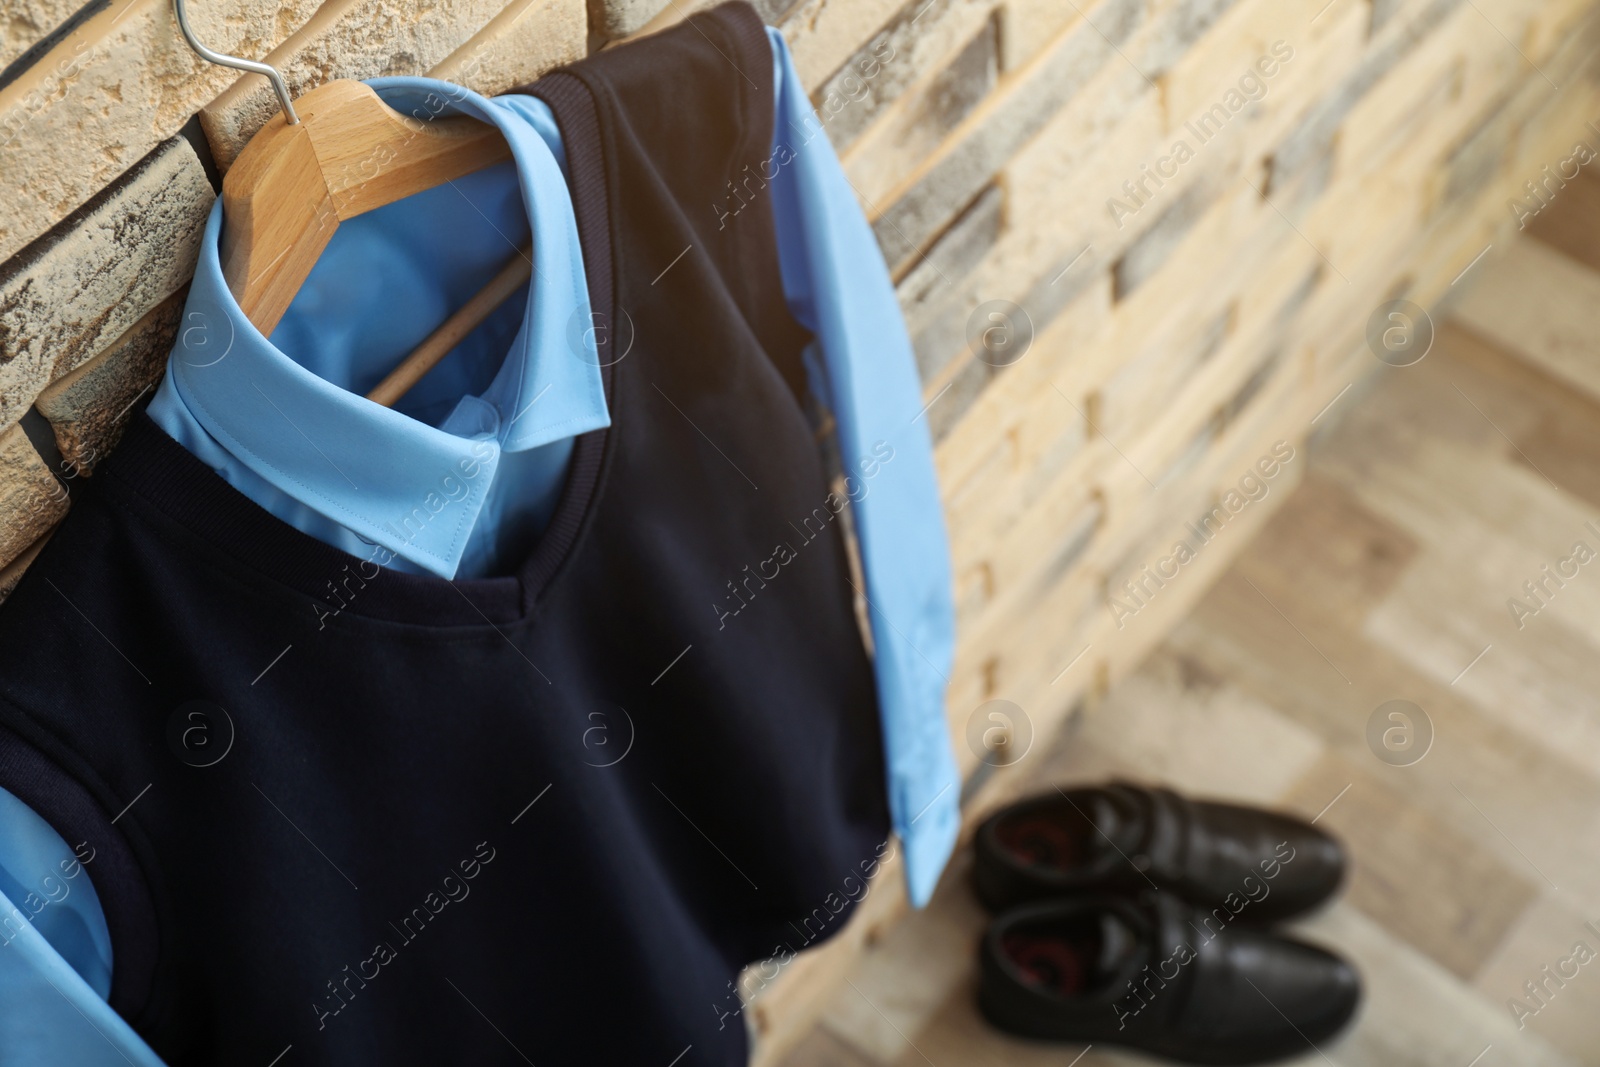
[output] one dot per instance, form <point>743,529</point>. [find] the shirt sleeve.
<point>837,286</point>
<point>55,953</point>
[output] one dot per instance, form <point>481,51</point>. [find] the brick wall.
<point>1190,209</point>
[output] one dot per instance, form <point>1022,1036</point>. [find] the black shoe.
<point>1256,865</point>
<point>1152,974</point>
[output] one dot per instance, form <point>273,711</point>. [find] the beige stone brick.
<point>822,34</point>
<point>928,69</point>
<point>108,93</point>
<point>1029,26</point>
<point>523,41</point>
<point>901,58</point>
<point>12,572</point>
<point>668,16</point>
<point>1420,107</point>
<point>1244,36</point>
<point>1023,106</point>
<point>1548,22</point>
<point>354,39</point>
<point>89,408</point>
<point>609,19</point>
<point>31,499</point>
<point>932,298</point>
<point>25,22</point>
<point>1065,177</point>
<point>79,288</point>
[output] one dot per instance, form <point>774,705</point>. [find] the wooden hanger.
<point>341,153</point>
<point>350,153</point>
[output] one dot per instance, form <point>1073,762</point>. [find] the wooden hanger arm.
<point>349,154</point>
<point>372,155</point>
<point>513,276</point>
<point>277,224</point>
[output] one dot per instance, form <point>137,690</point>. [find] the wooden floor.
<point>1437,492</point>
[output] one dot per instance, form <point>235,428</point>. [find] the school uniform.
<point>545,705</point>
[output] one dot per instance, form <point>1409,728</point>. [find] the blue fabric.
<point>44,880</point>
<point>456,478</point>
<point>55,953</point>
<point>837,287</point>
<point>466,469</point>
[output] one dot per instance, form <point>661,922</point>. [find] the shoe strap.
<point>1159,994</point>
<point>1201,990</point>
<point>1162,851</point>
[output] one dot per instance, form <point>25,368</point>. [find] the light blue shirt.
<point>284,420</point>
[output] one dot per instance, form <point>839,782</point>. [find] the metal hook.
<point>237,62</point>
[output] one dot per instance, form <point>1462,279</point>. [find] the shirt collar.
<point>368,467</point>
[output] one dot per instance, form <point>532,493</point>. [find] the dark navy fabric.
<point>543,817</point>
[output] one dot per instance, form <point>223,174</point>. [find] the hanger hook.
<point>237,62</point>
